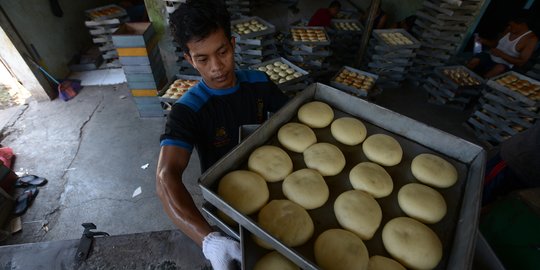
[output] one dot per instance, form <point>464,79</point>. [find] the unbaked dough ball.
<point>286,221</point>
<point>348,130</point>
<point>275,261</point>
<point>382,263</point>
<point>358,212</point>
<point>422,203</point>
<point>412,243</point>
<point>434,171</point>
<point>338,249</point>
<point>326,158</point>
<point>307,188</point>
<point>383,149</point>
<point>371,178</point>
<point>296,137</point>
<point>271,162</point>
<point>316,114</point>
<point>245,191</point>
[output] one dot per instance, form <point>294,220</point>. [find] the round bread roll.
<point>371,178</point>
<point>245,191</point>
<point>422,203</point>
<point>296,137</point>
<point>271,162</point>
<point>286,221</point>
<point>326,158</point>
<point>412,243</point>
<point>383,149</point>
<point>434,171</point>
<point>382,263</point>
<point>316,114</point>
<point>307,188</point>
<point>348,130</point>
<point>274,261</point>
<point>338,249</point>
<point>358,212</point>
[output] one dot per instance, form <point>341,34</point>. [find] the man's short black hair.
<point>335,4</point>
<point>521,16</point>
<point>197,19</point>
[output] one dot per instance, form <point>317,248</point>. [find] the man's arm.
<point>524,55</point>
<point>174,196</point>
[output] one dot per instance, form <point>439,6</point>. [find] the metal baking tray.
<point>119,13</point>
<point>504,102</point>
<point>457,230</point>
<point>291,65</point>
<point>338,30</point>
<point>439,71</point>
<point>176,77</point>
<point>377,33</point>
<point>301,52</point>
<point>291,41</point>
<point>515,94</point>
<point>270,29</point>
<point>261,41</point>
<point>351,89</point>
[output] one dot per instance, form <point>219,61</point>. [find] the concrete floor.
<point>92,148</point>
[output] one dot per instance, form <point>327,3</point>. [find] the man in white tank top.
<point>513,49</point>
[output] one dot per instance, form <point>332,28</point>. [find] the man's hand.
<point>496,52</point>
<point>221,251</point>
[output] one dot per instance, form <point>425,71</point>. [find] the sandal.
<point>25,200</point>
<point>30,180</point>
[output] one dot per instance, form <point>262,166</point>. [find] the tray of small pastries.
<point>332,181</point>
<point>459,77</point>
<point>251,27</point>
<point>347,25</point>
<point>281,71</point>
<point>354,81</point>
<point>397,38</point>
<point>178,87</point>
<point>314,35</point>
<point>518,86</point>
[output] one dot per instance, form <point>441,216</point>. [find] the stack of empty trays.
<point>308,47</point>
<point>255,41</point>
<point>136,44</point>
<point>345,36</point>
<point>101,23</point>
<point>508,106</point>
<point>441,27</point>
<point>390,55</point>
<point>238,8</point>
<point>453,86</point>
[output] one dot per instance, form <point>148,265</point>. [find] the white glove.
<point>221,251</point>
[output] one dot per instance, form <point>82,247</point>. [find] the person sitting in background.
<point>515,166</point>
<point>513,49</point>
<point>323,16</point>
<point>380,18</point>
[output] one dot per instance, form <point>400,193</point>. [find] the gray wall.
<point>56,39</point>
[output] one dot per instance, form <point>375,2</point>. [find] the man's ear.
<point>233,42</point>
<point>188,58</point>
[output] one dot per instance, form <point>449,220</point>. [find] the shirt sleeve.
<point>180,128</point>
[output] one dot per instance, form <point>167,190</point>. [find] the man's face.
<point>334,11</point>
<point>213,57</point>
<point>515,27</point>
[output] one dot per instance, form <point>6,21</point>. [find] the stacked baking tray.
<point>453,86</point>
<point>255,41</point>
<point>287,76</point>
<point>345,36</point>
<point>138,51</point>
<point>355,82</point>
<point>174,90</point>
<point>308,47</point>
<point>101,23</point>
<point>238,8</point>
<point>441,27</point>
<point>508,106</point>
<point>457,230</point>
<point>390,55</point>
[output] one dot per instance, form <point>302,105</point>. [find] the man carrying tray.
<point>207,117</point>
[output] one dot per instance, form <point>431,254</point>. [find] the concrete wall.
<point>56,39</point>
